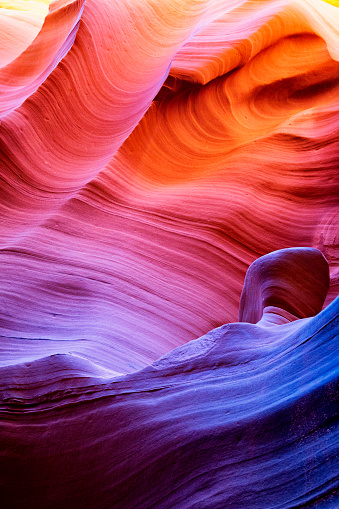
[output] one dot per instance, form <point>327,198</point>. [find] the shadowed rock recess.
<point>168,167</point>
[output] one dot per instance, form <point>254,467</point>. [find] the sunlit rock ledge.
<point>20,23</point>
<point>151,151</point>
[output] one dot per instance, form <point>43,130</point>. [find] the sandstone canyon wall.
<point>151,150</point>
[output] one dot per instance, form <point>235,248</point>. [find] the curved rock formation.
<point>295,280</point>
<point>150,152</point>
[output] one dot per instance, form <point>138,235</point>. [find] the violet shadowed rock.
<point>243,417</point>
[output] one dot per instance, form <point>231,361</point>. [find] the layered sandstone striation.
<point>150,152</point>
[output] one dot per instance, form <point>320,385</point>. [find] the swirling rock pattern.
<point>150,152</point>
